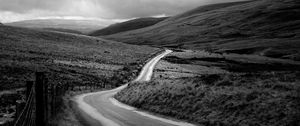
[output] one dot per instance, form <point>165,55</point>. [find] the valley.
<point>127,26</point>
<point>223,63</point>
<point>63,25</point>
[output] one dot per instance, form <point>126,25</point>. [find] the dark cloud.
<point>143,8</point>
<point>23,6</point>
<point>107,9</point>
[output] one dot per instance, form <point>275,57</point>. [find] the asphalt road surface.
<point>101,109</point>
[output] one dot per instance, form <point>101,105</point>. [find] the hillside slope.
<point>63,30</point>
<point>266,27</point>
<point>127,26</point>
<point>83,26</point>
<point>31,50</point>
<point>68,59</point>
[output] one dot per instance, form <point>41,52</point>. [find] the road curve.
<point>101,109</point>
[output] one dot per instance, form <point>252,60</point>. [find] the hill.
<point>127,26</point>
<point>264,27</point>
<point>68,59</point>
<point>25,50</point>
<point>83,26</point>
<point>63,30</point>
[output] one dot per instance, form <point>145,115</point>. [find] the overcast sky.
<point>105,10</point>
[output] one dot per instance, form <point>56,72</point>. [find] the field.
<point>221,89</point>
<point>68,59</point>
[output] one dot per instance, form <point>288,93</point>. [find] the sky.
<point>108,11</point>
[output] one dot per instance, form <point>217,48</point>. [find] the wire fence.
<point>44,100</point>
<point>26,117</point>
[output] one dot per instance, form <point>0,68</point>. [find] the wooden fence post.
<point>52,100</point>
<point>45,81</point>
<point>39,89</point>
<point>29,85</point>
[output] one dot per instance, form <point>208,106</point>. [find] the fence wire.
<point>26,116</point>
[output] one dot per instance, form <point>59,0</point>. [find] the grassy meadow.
<point>221,89</point>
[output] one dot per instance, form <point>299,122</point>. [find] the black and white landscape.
<point>150,63</point>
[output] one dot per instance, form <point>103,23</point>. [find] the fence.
<point>44,100</point>
<point>26,117</point>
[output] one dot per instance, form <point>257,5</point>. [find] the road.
<point>101,109</point>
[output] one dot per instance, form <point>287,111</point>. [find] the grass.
<point>217,92</point>
<point>236,66</point>
<point>69,115</point>
<point>245,99</point>
<point>127,26</point>
<point>25,51</point>
<point>68,59</point>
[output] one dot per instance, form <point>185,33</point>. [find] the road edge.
<point>107,122</point>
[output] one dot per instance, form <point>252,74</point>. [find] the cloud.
<point>145,8</point>
<point>12,10</point>
<point>23,6</point>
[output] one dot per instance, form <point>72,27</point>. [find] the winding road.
<point>101,109</point>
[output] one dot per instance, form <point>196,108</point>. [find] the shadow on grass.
<point>235,66</point>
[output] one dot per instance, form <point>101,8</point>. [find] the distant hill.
<point>63,30</point>
<point>264,27</point>
<point>127,26</point>
<point>82,26</point>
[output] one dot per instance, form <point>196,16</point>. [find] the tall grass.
<point>267,98</point>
